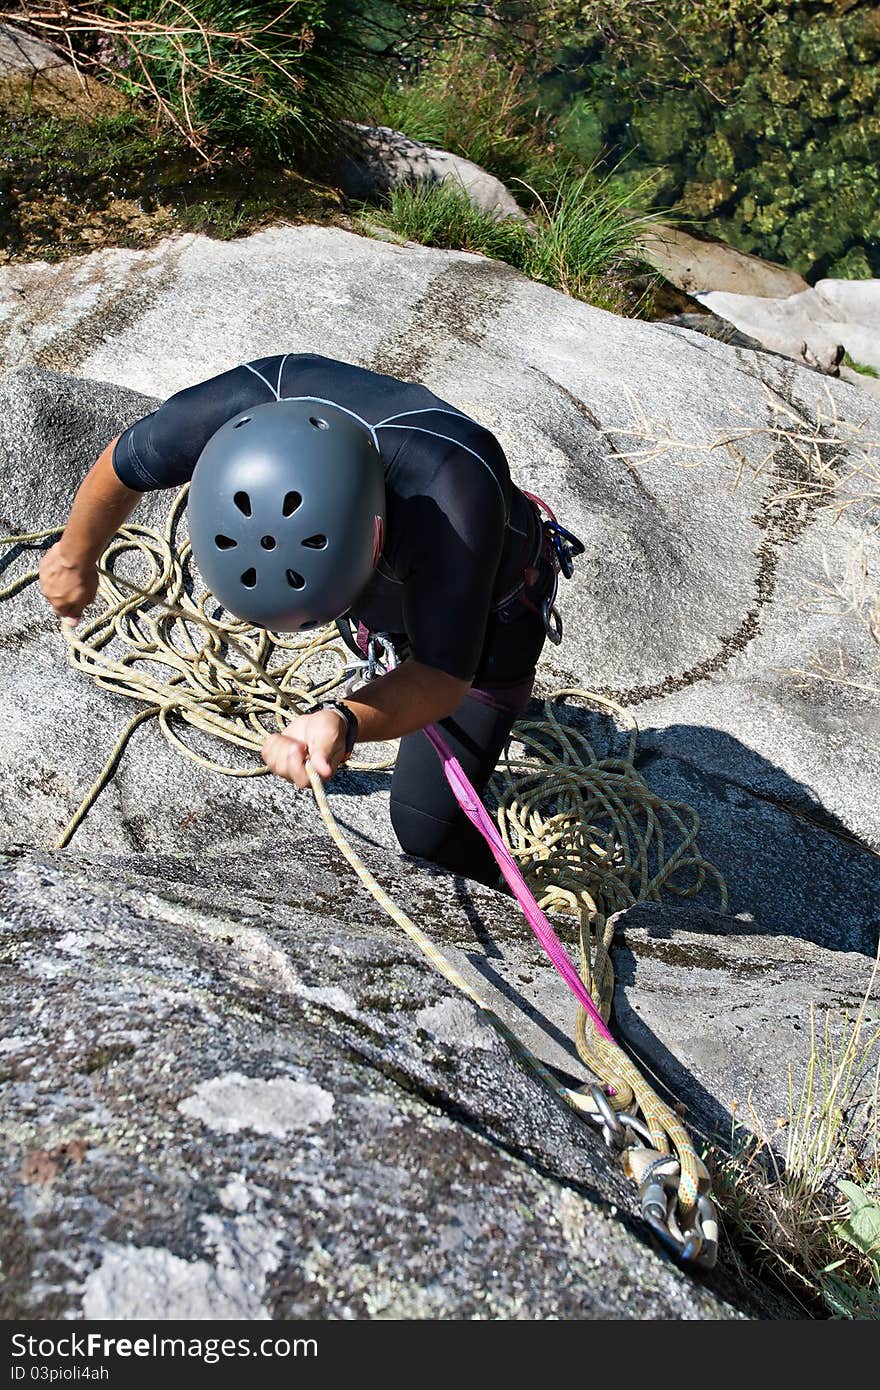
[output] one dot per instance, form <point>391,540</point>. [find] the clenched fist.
<point>318,737</point>
<point>68,585</point>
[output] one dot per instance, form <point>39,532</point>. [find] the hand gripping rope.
<point>586,830</point>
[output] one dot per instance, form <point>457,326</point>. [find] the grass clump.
<point>805,1201</point>
<point>860,367</point>
<point>586,243</point>
<point>581,242</point>
<point>442,214</point>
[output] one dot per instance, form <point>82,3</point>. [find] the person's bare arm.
<point>404,700</point>
<point>68,573</point>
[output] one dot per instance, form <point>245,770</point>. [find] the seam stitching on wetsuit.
<point>321,400</point>
<point>429,410</point>
<point>449,440</point>
<point>266,383</point>
<point>458,415</point>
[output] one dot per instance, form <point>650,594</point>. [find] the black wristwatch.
<point>352,727</point>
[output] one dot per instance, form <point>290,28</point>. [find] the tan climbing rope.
<point>588,833</point>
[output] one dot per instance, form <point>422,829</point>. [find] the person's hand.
<point>69,585</point>
<point>320,737</point>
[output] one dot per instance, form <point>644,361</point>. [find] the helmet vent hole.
<point>249,578</point>
<point>245,420</point>
<point>268,542</point>
<point>315,542</point>
<point>292,500</point>
<point>225,542</point>
<point>317,423</point>
<point>243,502</point>
<point>295,580</point>
<point>305,627</point>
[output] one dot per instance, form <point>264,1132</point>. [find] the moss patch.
<point>74,181</point>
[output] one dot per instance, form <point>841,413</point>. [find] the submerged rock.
<point>693,263</point>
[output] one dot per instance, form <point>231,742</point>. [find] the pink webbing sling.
<point>477,814</point>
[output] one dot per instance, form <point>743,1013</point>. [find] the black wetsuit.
<point>460,580</point>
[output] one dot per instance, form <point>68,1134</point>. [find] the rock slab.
<point>364,1165</point>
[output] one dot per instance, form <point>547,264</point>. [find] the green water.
<point>766,136</point>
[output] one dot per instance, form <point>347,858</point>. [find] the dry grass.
<point>803,1195</point>
<point>820,461</point>
<point>786,1194</point>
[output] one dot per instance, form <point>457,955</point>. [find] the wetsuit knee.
<point>420,833</point>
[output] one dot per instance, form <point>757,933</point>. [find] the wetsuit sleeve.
<point>162,449</point>
<point>459,523</point>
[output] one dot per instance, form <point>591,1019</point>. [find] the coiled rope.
<point>589,835</point>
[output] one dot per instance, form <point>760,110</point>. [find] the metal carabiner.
<point>566,545</point>
<point>552,621</point>
<point>389,659</point>
<point>658,1196</point>
<point>607,1119</point>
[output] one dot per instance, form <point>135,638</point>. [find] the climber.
<point>321,491</point>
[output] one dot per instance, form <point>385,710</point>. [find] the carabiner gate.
<point>552,621</point>
<point>380,641</point>
<point>566,545</point>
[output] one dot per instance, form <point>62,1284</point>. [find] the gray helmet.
<point>286,513</point>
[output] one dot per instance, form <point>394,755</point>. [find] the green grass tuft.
<point>859,366</point>
<point>583,242</point>
<point>806,1203</point>
<point>442,214</point>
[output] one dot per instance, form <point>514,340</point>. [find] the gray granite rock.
<point>692,607</point>
<point>375,159</point>
<point>22,53</point>
<point>221,1102</point>
<point>721,1014</point>
<point>816,325</point>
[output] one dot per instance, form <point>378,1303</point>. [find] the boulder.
<point>692,607</point>
<point>815,326</point>
<point>376,159</point>
<point>24,53</point>
<point>695,264</point>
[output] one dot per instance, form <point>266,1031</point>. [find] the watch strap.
<point>352,726</point>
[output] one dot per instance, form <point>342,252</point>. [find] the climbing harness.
<point>575,833</point>
<point>561,547</point>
